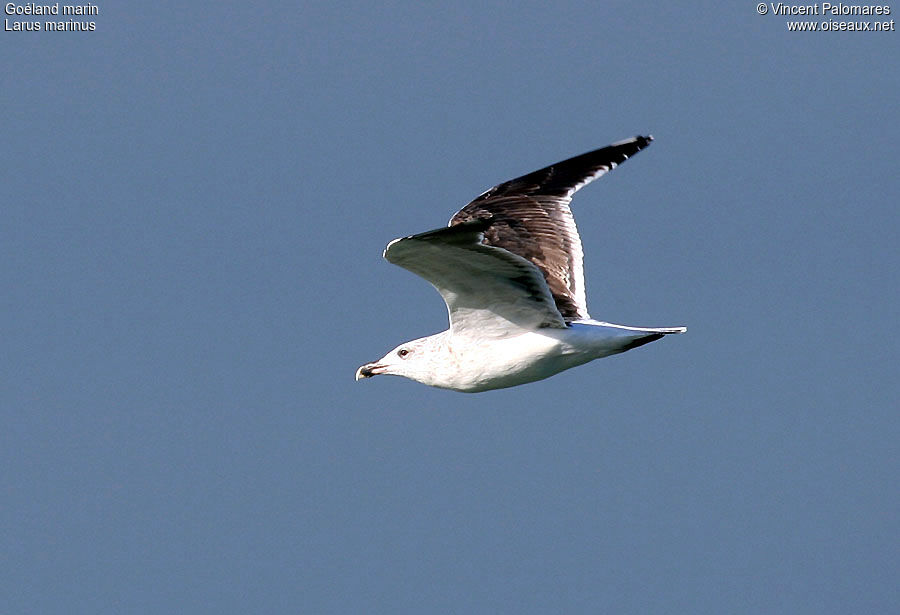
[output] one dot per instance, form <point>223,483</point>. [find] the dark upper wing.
<point>530,217</point>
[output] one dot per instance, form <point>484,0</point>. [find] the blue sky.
<point>196,199</point>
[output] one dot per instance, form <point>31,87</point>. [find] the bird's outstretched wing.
<point>530,217</point>
<point>489,291</point>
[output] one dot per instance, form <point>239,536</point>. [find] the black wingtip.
<point>643,141</point>
<point>643,340</point>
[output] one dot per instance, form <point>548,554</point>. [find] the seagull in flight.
<point>509,267</point>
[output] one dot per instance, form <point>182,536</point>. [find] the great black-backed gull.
<point>509,267</point>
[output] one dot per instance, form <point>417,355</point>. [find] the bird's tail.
<point>607,338</point>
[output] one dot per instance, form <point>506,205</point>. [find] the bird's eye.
<point>402,353</point>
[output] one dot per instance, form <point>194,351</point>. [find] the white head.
<point>415,360</point>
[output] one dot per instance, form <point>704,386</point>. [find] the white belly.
<point>532,355</point>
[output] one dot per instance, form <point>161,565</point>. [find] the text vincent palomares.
<point>827,8</point>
